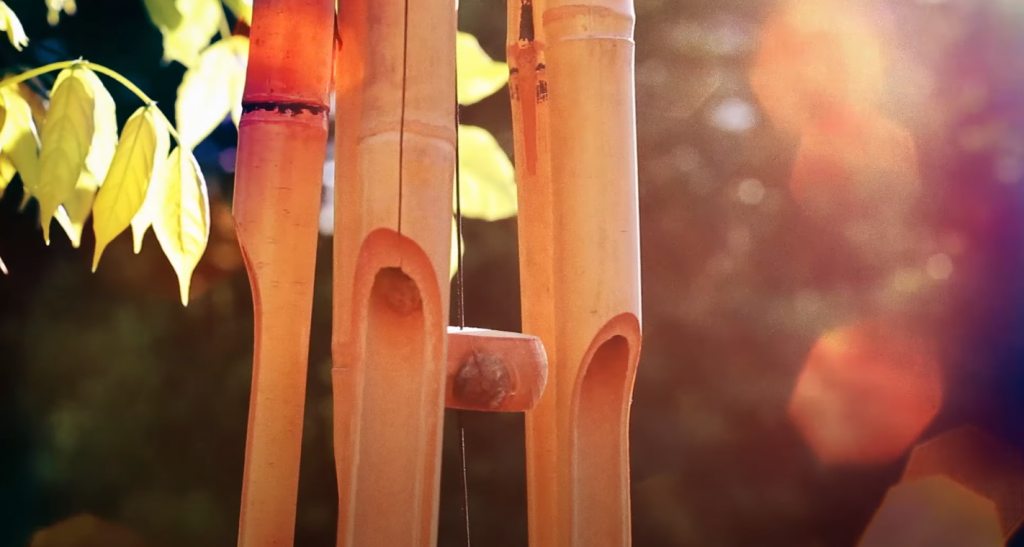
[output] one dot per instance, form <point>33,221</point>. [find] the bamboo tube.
<point>588,314</point>
<point>528,91</point>
<point>282,146</point>
<point>395,148</point>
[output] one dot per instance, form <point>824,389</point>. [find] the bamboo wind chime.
<point>397,363</point>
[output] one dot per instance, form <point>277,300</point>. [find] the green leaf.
<point>144,144</point>
<point>241,8</point>
<point>187,26</point>
<point>211,90</point>
<point>479,75</point>
<point>10,24</point>
<point>181,216</point>
<point>488,186</point>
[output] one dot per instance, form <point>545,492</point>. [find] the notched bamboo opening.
<point>394,354</point>
<point>599,420</point>
<point>398,291</point>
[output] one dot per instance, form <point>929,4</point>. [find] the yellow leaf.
<point>144,143</point>
<point>242,9</point>
<point>181,216</point>
<point>79,135</point>
<point>76,209</point>
<point>54,7</point>
<point>7,172</point>
<point>67,137</point>
<point>479,75</point>
<point>144,218</point>
<point>211,90</point>
<point>19,139</point>
<point>35,102</point>
<point>455,249</point>
<point>488,186</point>
<point>6,167</point>
<point>10,24</point>
<point>187,26</point>
<point>104,140</point>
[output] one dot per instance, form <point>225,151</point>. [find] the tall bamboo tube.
<point>395,149</point>
<point>528,90</point>
<point>282,145</point>
<point>589,318</point>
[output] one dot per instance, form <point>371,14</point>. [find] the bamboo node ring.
<point>288,108</point>
<point>482,381</point>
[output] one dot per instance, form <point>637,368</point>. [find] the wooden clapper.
<point>396,361</point>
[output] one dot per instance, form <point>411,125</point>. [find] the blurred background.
<point>832,257</point>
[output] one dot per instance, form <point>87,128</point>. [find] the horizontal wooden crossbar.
<point>494,371</point>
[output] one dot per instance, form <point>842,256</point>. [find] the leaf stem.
<point>61,65</point>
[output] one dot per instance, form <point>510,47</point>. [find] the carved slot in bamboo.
<point>600,423</point>
<point>578,214</point>
<point>397,421</point>
<point>395,146</point>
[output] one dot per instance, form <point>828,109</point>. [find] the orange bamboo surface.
<point>395,148</point>
<point>281,151</point>
<point>574,119</point>
<point>528,90</point>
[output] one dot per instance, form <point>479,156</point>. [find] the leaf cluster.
<point>74,164</point>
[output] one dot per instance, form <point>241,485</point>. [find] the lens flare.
<point>933,512</point>
<point>815,54</point>
<point>866,393</point>
<point>854,165</point>
<point>977,461</point>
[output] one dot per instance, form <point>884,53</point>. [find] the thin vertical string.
<point>461,286</point>
<point>461,280</point>
<point>401,119</point>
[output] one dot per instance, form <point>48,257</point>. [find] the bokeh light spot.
<point>856,166</point>
<point>933,512</point>
<point>750,191</point>
<point>939,266</point>
<point>226,159</point>
<point>865,394</point>
<point>814,54</point>
<point>977,461</point>
<point>733,115</point>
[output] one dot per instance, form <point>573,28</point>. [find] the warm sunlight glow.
<point>933,512</point>
<point>865,394</point>
<point>857,165</point>
<point>977,461</point>
<point>813,55</point>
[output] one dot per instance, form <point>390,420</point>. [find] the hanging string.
<point>401,119</point>
<point>461,286</point>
